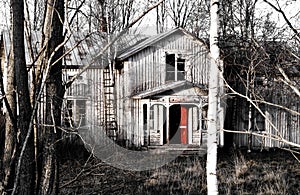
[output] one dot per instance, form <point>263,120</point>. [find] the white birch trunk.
<point>214,99</point>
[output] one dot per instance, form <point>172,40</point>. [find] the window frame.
<point>75,114</point>
<point>178,59</point>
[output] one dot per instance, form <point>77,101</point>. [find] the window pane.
<point>170,67</point>
<point>81,112</point>
<point>180,64</point>
<point>68,114</point>
<point>180,68</point>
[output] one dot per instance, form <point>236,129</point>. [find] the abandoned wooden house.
<point>270,77</point>
<point>161,90</point>
<point>153,92</point>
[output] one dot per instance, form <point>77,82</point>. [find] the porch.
<point>175,122</point>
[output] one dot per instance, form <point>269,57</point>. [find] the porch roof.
<point>164,88</point>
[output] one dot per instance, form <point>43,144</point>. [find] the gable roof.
<point>154,39</point>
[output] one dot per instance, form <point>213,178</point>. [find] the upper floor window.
<point>175,67</point>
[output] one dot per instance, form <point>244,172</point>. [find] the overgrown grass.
<point>258,173</point>
<point>239,172</point>
<point>185,175</point>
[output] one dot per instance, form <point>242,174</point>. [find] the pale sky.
<point>290,7</point>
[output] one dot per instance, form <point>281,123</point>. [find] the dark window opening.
<point>175,67</point>
<point>170,61</point>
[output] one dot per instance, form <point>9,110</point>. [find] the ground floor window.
<point>75,113</point>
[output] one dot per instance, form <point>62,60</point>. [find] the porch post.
<point>168,120</point>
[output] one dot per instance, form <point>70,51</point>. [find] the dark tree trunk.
<point>53,32</point>
<point>10,127</point>
<point>16,127</point>
<point>2,132</point>
<point>26,177</point>
<point>2,141</point>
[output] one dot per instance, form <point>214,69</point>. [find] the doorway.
<point>178,125</point>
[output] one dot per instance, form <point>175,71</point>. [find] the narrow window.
<point>259,119</point>
<point>204,119</point>
<point>146,136</point>
<point>145,116</point>
<point>75,113</point>
<point>81,112</point>
<point>68,119</point>
<point>180,68</point>
<point>151,122</point>
<point>170,62</point>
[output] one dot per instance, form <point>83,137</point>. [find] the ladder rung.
<point>112,129</point>
<point>111,123</point>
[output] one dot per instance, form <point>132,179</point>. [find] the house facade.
<point>161,90</point>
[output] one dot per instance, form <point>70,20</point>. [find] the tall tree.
<point>10,126</point>
<point>51,60</point>
<point>17,126</point>
<point>214,100</point>
<point>23,98</point>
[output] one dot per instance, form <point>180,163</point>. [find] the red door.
<point>184,125</point>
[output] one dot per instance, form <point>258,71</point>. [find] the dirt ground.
<point>259,172</point>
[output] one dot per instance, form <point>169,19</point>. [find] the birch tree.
<point>213,101</point>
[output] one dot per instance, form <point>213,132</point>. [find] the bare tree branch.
<point>107,46</point>
<point>265,135</point>
<point>287,81</point>
<point>278,9</point>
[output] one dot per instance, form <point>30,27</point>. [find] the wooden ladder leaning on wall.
<point>109,103</point>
